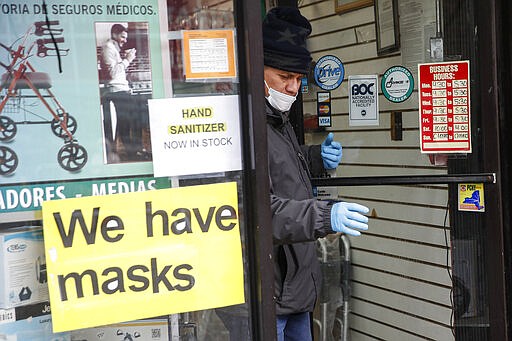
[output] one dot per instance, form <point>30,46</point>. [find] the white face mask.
<point>278,100</point>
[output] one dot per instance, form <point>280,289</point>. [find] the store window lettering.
<point>329,71</point>
<point>197,128</point>
<point>27,197</point>
<point>439,76</point>
<point>443,68</point>
<point>14,9</point>
<point>362,89</point>
<point>122,187</point>
<point>197,112</point>
<point>185,219</point>
<point>69,9</point>
<point>391,82</point>
<point>78,9</point>
<point>110,223</point>
<point>136,273</point>
<point>217,141</point>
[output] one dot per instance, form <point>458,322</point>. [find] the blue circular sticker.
<point>397,84</point>
<point>329,72</point>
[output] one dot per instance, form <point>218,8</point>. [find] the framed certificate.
<point>386,26</point>
<point>342,6</point>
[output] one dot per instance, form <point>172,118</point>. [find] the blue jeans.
<point>294,327</point>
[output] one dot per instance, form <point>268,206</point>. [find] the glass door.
<point>403,111</point>
<point>196,33</point>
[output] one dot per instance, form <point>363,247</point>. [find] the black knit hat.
<point>285,31</point>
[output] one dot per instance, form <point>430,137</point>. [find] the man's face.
<point>121,38</point>
<point>283,81</point>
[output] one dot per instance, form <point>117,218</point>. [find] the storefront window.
<point>107,108</point>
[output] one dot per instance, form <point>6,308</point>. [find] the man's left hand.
<point>331,152</point>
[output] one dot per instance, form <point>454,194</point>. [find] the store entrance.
<point>427,266</point>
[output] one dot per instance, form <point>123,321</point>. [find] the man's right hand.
<point>130,54</point>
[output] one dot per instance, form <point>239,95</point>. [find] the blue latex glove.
<point>331,152</point>
<point>346,217</point>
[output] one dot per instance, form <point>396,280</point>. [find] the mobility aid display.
<point>336,291</point>
<point>21,83</point>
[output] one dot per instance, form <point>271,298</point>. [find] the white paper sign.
<point>195,135</point>
<point>363,100</point>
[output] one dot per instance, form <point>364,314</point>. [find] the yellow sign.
<point>137,255</point>
<point>471,197</point>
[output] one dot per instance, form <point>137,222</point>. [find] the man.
<point>114,63</point>
<point>113,66</point>
<point>298,219</point>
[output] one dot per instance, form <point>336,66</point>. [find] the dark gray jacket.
<point>298,219</point>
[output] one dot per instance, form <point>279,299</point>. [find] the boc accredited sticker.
<point>397,84</point>
<point>329,72</point>
<point>363,100</point>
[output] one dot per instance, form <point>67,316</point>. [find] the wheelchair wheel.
<point>8,128</point>
<point>72,157</point>
<point>8,160</point>
<point>58,126</point>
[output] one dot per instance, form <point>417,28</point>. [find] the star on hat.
<point>288,36</point>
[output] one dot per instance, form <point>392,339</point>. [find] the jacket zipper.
<point>305,169</point>
<point>304,166</point>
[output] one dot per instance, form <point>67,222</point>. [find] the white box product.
<point>22,267</point>
<point>143,330</point>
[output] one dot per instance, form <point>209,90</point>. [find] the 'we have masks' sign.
<point>139,255</point>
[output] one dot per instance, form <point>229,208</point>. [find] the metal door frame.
<point>255,176</point>
<point>491,53</point>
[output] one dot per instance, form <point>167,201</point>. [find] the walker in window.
<point>21,85</point>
